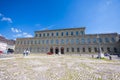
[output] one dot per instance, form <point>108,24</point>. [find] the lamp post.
<point>100,54</point>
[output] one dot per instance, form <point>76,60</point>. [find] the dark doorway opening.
<point>56,50</point>
<point>62,50</point>
<point>51,50</point>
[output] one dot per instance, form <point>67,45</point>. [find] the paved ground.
<point>55,67</point>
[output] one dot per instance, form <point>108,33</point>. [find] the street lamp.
<point>100,54</point>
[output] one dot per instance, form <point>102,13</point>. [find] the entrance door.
<point>56,50</point>
<point>62,50</point>
<point>51,50</point>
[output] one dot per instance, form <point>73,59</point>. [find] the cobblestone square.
<point>58,67</point>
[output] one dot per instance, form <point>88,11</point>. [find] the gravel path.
<point>55,67</point>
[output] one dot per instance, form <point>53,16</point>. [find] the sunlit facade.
<point>68,41</point>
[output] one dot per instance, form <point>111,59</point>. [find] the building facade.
<point>6,44</point>
<point>68,41</point>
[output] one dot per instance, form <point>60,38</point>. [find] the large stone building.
<point>71,40</point>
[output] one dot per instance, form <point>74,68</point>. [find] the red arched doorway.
<point>62,50</point>
<point>51,49</point>
<point>56,50</point>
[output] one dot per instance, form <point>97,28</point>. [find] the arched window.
<point>62,41</point>
<point>88,40</point>
<point>52,41</point>
<point>67,41</point>
<point>57,41</point>
<point>83,41</point>
<point>72,41</point>
<point>94,40</point>
<point>77,41</point>
<point>47,41</point>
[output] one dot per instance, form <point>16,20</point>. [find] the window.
<point>72,49</point>
<point>21,42</point>
<point>27,42</point>
<point>83,41</point>
<point>56,33</point>
<point>62,41</point>
<point>106,40</point>
<point>66,33</point>
<point>57,41</point>
<point>71,33</point>
<point>35,42</point>
<point>78,49</point>
<point>52,34</point>
<point>113,39</point>
<point>67,49</point>
<point>89,49</point>
<point>115,50</point>
<point>72,41</point>
<point>39,35</point>
<point>47,41</point>
<point>88,40</point>
<point>43,34</point>
<point>77,33</point>
<point>94,40</point>
<point>24,42</point>
<point>67,41</point>
<point>102,48</point>
<point>39,42</point>
<point>81,32</point>
<point>83,49</point>
<point>100,40</point>
<point>52,41</point>
<point>95,49</point>
<point>47,34</point>
<point>108,49</point>
<point>62,34</point>
<point>77,41</point>
<point>36,35</point>
<point>42,41</point>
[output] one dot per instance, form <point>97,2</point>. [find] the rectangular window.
<point>78,49</point>
<point>39,35</point>
<point>47,34</point>
<point>67,49</point>
<point>66,33</point>
<point>62,34</point>
<point>77,33</point>
<point>71,33</point>
<point>83,49</point>
<point>52,34</point>
<point>89,49</point>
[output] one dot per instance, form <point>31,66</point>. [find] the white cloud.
<point>15,30</point>
<point>6,19</point>
<point>24,34</point>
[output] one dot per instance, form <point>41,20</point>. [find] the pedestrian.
<point>24,53</point>
<point>110,57</point>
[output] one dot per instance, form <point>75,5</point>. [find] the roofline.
<point>60,29</point>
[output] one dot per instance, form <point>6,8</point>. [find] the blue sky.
<point>20,18</point>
